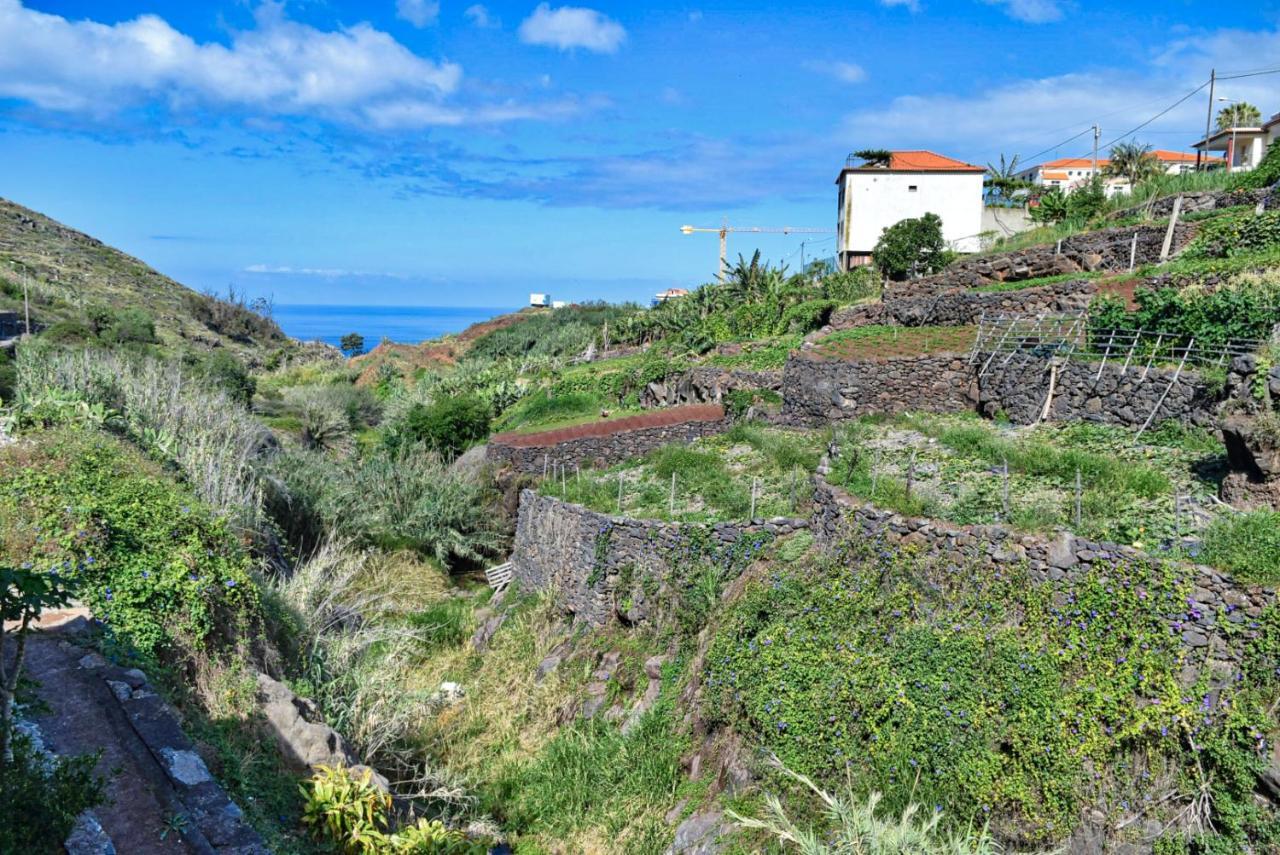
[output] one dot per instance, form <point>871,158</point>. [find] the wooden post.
<point>1154,351</point>
<point>1185,353</point>
<point>1104,356</point>
<point>1079,495</point>
<point>619,492</point>
<point>672,509</point>
<point>564,485</point>
<point>1058,251</point>
<point>1004,488</point>
<point>875,467</point>
<point>1132,346</point>
<point>1177,518</point>
<point>546,460</point>
<point>1133,252</point>
<point>1168,234</point>
<point>793,489</point>
<point>911,472</point>
<point>752,516</point>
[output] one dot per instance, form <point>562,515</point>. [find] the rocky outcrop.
<point>601,567</point>
<point>958,307</point>
<point>1253,453</point>
<point>607,441</point>
<point>818,390</point>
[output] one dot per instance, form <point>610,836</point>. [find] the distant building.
<point>540,301</point>
<point>1243,148</point>
<point>873,197</point>
<point>558,304</point>
<point>1070,173</point>
<point>669,294</point>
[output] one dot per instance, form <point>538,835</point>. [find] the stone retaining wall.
<point>817,390</point>
<point>959,306</point>
<point>1119,396</point>
<point>604,442</point>
<point>1209,200</point>
<point>1215,597</point>
<point>601,566</point>
<point>1101,250</point>
<point>708,384</point>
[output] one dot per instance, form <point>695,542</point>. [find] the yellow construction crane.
<point>724,230</point>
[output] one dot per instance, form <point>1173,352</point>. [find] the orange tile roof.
<point>922,160</point>
<point>1178,156</point>
<point>1054,176</point>
<point>1074,163</point>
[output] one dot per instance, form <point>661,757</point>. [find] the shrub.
<point>1246,544</point>
<point>449,426</point>
<point>856,827</point>
<point>224,371</point>
<point>162,573</point>
<point>234,317</point>
<point>911,247</point>
<point>1237,234</point>
<point>44,795</point>
<point>850,286</point>
<point>324,423</point>
<point>806,316</point>
<point>8,377</point>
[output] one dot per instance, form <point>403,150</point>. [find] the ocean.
<point>403,324</point>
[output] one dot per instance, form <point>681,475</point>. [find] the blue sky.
<point>454,153</point>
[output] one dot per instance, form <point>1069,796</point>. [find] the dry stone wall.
<point>708,384</point>
<point>1101,250</point>
<point>601,566</point>
<point>1119,395</point>
<point>1215,599</point>
<point>1209,200</point>
<point>960,306</point>
<point>817,390</point>
<point>601,443</point>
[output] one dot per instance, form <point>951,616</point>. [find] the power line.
<point>1258,73</point>
<point>1163,112</point>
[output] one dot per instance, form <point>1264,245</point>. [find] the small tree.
<point>24,593</point>
<point>879,157</point>
<point>352,344</point>
<point>1239,115</point>
<point>1133,162</point>
<point>1050,207</point>
<point>1002,182</point>
<point>911,247</point>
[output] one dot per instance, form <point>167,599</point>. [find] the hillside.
<point>70,274</point>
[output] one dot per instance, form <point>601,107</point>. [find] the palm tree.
<point>1134,162</point>
<point>1241,114</point>
<point>1002,181</point>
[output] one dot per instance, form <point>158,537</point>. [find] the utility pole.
<point>1208,118</point>
<point>1097,133</point>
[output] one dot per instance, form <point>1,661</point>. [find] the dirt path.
<point>81,716</point>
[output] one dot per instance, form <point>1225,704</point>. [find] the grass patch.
<point>1247,544</point>
<point>713,478</point>
<point>1127,486</point>
<point>876,340</point>
<point>763,355</point>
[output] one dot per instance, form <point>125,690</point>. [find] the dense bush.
<point>162,573</point>
<point>394,500</point>
<point>975,689</point>
<point>8,377</point>
<point>42,798</point>
<point>563,332</point>
<point>1238,234</point>
<point>224,371</point>
<point>449,426</point>
<point>911,247</point>
<point>234,317</point>
<point>1245,307</point>
<point>122,326</point>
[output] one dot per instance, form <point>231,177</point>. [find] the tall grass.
<point>211,439</point>
<point>857,829</point>
<point>1247,544</point>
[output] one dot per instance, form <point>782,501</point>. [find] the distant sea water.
<point>402,324</point>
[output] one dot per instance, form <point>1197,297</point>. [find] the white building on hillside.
<point>1071,173</point>
<point>910,185</point>
<point>1243,147</point>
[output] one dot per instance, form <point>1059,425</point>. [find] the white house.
<point>1071,173</point>
<point>1244,146</point>
<point>910,185</point>
<point>541,301</point>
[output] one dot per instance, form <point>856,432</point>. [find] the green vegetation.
<point>1245,306</point>
<point>1235,235</point>
<point>447,426</point>
<point>911,248</point>
<point>43,796</point>
<point>875,340</point>
<point>713,478</point>
<point>1128,487</point>
<point>1006,703</point>
<point>1246,544</point>
<point>564,332</point>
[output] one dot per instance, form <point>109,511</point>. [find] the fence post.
<point>1133,252</point>
<point>1079,492</point>
<point>619,492</point>
<point>911,472</point>
<point>672,509</point>
<point>1168,234</point>
<point>1004,488</point>
<point>752,516</point>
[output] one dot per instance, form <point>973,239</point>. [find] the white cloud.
<point>909,5</point>
<point>568,27</point>
<point>845,72</point>
<point>420,13</point>
<point>481,17</point>
<point>1031,11</point>
<point>280,66</point>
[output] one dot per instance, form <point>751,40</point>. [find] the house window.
<point>911,188</point>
